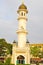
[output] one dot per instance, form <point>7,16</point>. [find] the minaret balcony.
<point>22,17</point>
<point>22,31</point>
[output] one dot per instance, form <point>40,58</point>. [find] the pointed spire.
<point>22,1</point>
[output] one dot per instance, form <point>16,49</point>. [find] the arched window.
<point>22,13</point>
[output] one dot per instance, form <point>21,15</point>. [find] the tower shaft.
<point>22,20</point>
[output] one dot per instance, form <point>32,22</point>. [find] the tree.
<point>9,46</point>
<point>35,51</point>
<point>5,48</point>
<point>7,62</point>
<point>3,45</point>
<point>41,54</point>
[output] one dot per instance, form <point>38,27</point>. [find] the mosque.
<point>21,50</point>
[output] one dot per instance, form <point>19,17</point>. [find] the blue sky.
<point>9,23</point>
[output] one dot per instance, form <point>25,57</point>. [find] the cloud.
<point>9,23</point>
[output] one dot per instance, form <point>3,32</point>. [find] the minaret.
<point>21,52</point>
<point>22,20</point>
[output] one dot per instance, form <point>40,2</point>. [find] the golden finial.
<point>22,1</point>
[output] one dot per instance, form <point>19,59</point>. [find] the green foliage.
<point>23,64</point>
<point>37,63</point>
<point>5,48</point>
<point>2,47</point>
<point>7,62</point>
<point>9,46</point>
<point>1,63</point>
<point>35,51</point>
<point>41,54</point>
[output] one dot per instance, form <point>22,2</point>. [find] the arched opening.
<point>20,59</point>
<point>22,13</point>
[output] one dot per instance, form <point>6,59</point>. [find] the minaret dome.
<point>22,7</point>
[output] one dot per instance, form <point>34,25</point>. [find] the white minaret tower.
<point>21,52</point>
<point>22,20</point>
